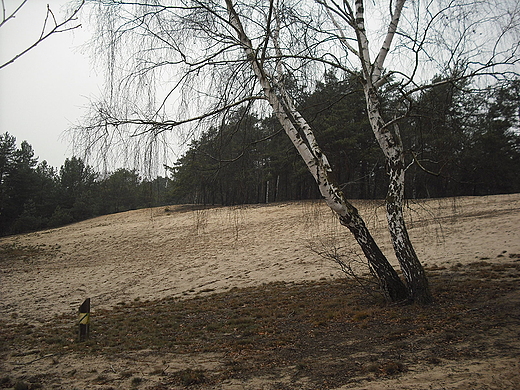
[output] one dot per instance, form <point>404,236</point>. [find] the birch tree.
<point>219,67</point>
<point>387,134</point>
<point>302,137</point>
<point>437,36</point>
<point>209,58</point>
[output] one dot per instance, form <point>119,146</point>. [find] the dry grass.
<point>325,333</point>
<point>232,299</point>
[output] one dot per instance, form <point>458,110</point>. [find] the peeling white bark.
<point>295,126</point>
<point>390,143</point>
<point>302,137</point>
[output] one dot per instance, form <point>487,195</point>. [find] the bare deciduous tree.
<point>217,67</point>
<point>208,58</point>
<point>437,35</point>
<point>51,25</point>
<point>303,139</point>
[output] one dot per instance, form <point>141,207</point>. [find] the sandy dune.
<point>155,253</point>
<point>178,251</point>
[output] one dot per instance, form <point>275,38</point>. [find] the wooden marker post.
<point>84,320</point>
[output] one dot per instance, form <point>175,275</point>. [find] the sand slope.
<point>178,251</point>
<point>154,253</point>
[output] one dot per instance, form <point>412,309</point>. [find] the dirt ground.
<point>237,298</point>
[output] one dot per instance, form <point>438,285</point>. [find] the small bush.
<point>20,385</point>
<point>136,381</point>
<point>392,368</point>
<point>5,382</point>
<point>190,377</point>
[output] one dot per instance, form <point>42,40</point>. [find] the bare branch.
<point>58,27</point>
<point>5,18</point>
<point>105,118</point>
<point>341,32</point>
<point>385,48</point>
<point>420,165</point>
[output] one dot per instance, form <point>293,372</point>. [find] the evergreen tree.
<point>18,186</point>
<point>78,182</point>
<point>337,111</point>
<point>492,160</point>
<point>463,144</point>
<point>7,166</point>
<point>120,191</point>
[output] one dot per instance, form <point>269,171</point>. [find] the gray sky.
<point>48,89</point>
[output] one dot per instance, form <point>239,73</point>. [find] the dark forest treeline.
<point>36,196</point>
<point>457,143</point>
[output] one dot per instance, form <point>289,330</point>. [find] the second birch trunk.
<point>390,142</point>
<point>303,139</point>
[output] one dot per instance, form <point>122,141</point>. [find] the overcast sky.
<point>46,90</point>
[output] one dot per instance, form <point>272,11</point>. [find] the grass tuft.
<point>321,330</point>
<point>189,377</point>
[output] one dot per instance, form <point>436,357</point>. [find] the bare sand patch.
<point>181,252</point>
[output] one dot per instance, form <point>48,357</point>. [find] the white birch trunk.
<point>302,137</point>
<point>390,143</point>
